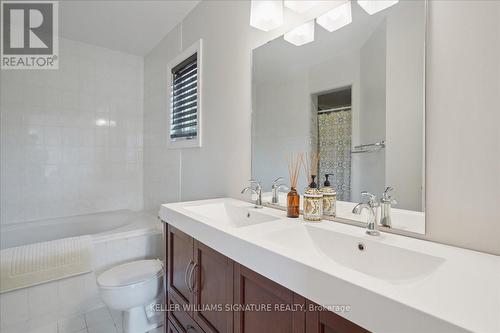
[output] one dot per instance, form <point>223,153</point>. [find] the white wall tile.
<point>50,135</point>
<point>14,307</point>
<point>71,324</point>
<point>48,328</point>
<point>98,316</point>
<point>75,293</point>
<point>16,328</point>
<point>106,327</point>
<point>43,299</point>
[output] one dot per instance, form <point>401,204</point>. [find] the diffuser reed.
<point>293,198</point>
<point>310,165</point>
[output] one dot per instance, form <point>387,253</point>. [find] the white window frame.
<point>183,142</point>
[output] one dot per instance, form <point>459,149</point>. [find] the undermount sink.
<point>369,257</point>
<point>231,215</point>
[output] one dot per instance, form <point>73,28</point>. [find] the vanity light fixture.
<point>336,18</point>
<point>301,35</point>
<point>300,6</point>
<point>102,122</point>
<point>372,7</point>
<point>266,15</point>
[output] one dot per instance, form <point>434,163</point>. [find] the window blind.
<point>184,99</point>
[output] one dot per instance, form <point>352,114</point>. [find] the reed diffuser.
<point>313,198</point>
<point>293,198</point>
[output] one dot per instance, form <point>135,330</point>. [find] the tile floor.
<point>100,320</point>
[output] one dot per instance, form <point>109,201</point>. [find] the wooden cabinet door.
<point>180,265</point>
<point>213,289</point>
<point>252,289</point>
<point>329,322</point>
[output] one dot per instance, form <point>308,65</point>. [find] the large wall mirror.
<point>354,96</point>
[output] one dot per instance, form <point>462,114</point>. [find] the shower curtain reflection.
<point>334,147</point>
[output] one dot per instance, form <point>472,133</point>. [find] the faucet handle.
<point>387,197</point>
<point>386,194</point>
<point>257,182</point>
<point>372,198</point>
<point>279,179</point>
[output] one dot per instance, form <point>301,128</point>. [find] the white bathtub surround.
<point>395,283</point>
<point>138,236</point>
<point>28,265</point>
<point>99,224</point>
<point>72,138</point>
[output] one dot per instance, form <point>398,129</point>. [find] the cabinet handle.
<point>186,275</point>
<point>192,282</point>
<point>189,328</point>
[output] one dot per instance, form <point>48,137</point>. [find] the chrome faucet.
<point>275,188</point>
<point>257,190</point>
<point>371,226</point>
<point>385,207</point>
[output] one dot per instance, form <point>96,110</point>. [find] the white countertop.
<point>461,295</point>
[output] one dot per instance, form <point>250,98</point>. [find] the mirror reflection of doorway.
<point>333,110</point>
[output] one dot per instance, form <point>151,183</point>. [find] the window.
<point>185,99</point>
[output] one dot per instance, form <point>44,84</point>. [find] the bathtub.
<point>117,237</point>
<point>98,224</point>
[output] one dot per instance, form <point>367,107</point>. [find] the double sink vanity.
<point>234,268</point>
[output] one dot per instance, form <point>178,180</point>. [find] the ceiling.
<point>133,27</point>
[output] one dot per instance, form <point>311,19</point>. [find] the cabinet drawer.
<point>180,319</point>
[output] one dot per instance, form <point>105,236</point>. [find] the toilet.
<point>133,287</point>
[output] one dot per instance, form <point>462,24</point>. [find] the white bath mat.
<point>32,264</point>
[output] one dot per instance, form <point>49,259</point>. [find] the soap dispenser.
<point>329,198</point>
<point>313,202</point>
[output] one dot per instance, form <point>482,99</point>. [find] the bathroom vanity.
<point>200,278</point>
<point>234,268</point>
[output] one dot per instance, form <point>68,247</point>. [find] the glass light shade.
<point>266,15</point>
<point>299,6</point>
<point>301,35</point>
<point>336,18</point>
<point>372,6</point>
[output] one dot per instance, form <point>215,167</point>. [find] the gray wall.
<point>372,127</point>
<point>404,120</point>
<point>463,143</point>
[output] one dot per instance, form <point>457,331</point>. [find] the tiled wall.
<point>72,138</point>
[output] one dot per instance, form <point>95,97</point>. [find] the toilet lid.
<point>130,273</point>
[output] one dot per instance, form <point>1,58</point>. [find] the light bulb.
<point>336,18</point>
<point>299,6</point>
<point>375,6</point>
<point>301,35</point>
<point>266,14</point>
